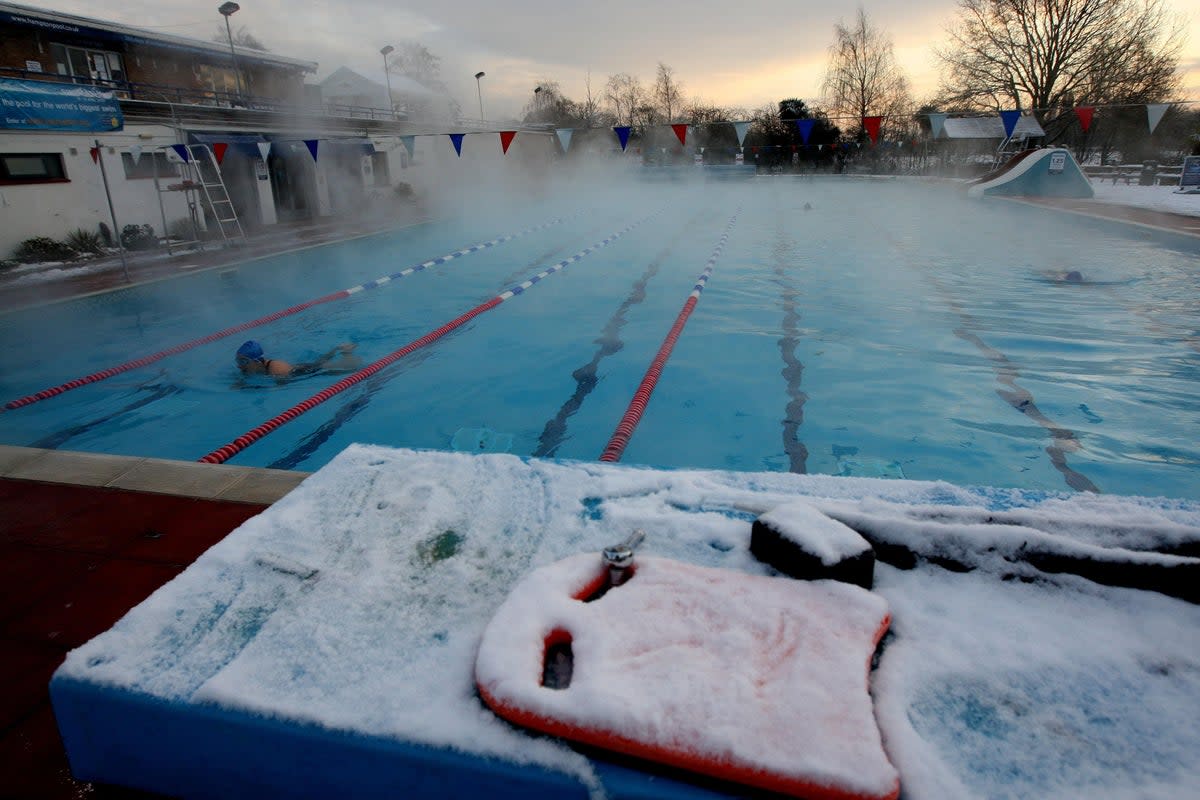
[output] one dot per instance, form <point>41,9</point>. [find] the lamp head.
<point>537,90</point>
<point>479,75</point>
<point>387,50</point>
<point>225,9</point>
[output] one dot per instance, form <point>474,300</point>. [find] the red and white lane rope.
<point>223,454</point>
<point>245,326</point>
<point>641,398</point>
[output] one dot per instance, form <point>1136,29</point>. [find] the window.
<point>32,168</point>
<point>89,65</point>
<point>145,166</point>
<point>379,166</point>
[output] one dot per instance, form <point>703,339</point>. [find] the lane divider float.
<point>637,406</point>
<point>95,377</point>
<point>224,453</point>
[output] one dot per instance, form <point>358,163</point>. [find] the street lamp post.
<point>227,10</point>
<point>387,76</point>
<point>479,75</point>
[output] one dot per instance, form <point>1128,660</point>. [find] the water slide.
<point>1045,172</point>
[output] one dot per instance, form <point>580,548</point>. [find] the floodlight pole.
<point>479,75</point>
<point>227,10</point>
<point>387,76</point>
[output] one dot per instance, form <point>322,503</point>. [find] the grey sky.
<point>743,54</point>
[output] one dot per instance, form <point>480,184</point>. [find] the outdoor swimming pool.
<point>888,330</point>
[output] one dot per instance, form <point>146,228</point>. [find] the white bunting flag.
<point>264,149</point>
<point>136,153</point>
<point>564,137</point>
<point>741,128</point>
<point>1154,113</point>
<point>938,123</point>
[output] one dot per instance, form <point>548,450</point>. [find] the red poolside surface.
<point>73,560</point>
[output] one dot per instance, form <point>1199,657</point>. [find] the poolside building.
<point>131,96</point>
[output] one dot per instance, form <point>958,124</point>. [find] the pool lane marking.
<point>1063,440</point>
<point>610,342</point>
<point>95,377</point>
<point>224,453</point>
<point>641,397</point>
<point>793,368</point>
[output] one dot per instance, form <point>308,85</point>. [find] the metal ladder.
<point>207,173</point>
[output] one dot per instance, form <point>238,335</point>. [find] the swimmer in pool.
<point>251,360</point>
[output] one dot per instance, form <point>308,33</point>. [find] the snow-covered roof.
<point>73,24</point>
<point>991,127</point>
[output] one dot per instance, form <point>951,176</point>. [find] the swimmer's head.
<point>248,353</point>
<point>1073,276</point>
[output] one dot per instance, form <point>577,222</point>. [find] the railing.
<point>179,95</point>
<point>1157,175</point>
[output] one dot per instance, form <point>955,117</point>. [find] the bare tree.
<point>625,97</point>
<point>668,92</point>
<point>242,37</point>
<point>863,78</point>
<point>414,60</point>
<point>1044,54</point>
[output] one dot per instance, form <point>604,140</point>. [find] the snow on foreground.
<point>358,602</point>
<point>1155,198</point>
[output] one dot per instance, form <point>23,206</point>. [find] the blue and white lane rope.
<point>224,453</point>
<point>221,334</point>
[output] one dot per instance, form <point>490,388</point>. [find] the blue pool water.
<point>892,330</point>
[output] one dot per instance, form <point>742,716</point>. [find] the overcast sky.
<point>733,54</point>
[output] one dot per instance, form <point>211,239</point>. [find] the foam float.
<point>756,680</point>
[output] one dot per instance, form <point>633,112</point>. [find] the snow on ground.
<point>358,603</point>
<point>1156,198</point>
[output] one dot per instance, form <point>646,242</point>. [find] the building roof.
<point>57,21</point>
<point>345,81</point>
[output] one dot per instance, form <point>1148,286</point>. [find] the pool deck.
<point>85,538</point>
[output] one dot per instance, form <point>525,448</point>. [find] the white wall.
<point>56,209</point>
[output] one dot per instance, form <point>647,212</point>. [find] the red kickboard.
<point>756,680</point>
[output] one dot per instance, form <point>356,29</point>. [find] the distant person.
<point>251,360</point>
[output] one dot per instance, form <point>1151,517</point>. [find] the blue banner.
<point>805,126</point>
<point>43,106</point>
<point>622,132</point>
<point>1010,121</point>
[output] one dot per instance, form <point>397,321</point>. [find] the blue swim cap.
<point>251,350</point>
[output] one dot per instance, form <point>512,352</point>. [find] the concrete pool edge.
<point>154,475</point>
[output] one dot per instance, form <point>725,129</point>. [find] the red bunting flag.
<point>871,125</point>
<point>95,151</point>
<point>1085,116</point>
<point>219,149</point>
<point>680,132</point>
<point>506,138</point>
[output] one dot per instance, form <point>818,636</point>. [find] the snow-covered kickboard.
<point>751,679</point>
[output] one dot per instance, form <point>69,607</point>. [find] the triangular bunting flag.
<point>95,154</point>
<point>622,132</point>
<point>219,149</point>
<point>680,132</point>
<point>506,138</point>
<point>1154,114</point>
<point>740,129</point>
<point>311,144</point>
<point>1010,121</point>
<point>409,143</point>
<point>871,125</point>
<point>1085,117</point>
<point>564,137</point>
<point>264,149</point>
<point>937,122</point>
<point>805,126</point>
<point>135,153</point>
<point>456,140</point>
<point>182,152</point>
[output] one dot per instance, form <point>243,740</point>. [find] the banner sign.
<point>1191,171</point>
<point>44,106</point>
